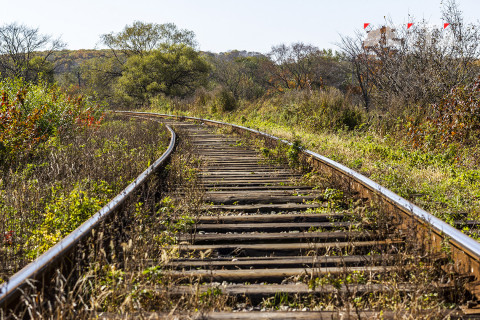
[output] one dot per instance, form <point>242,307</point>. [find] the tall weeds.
<point>69,178</point>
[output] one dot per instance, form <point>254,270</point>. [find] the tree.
<point>302,66</point>
<point>293,65</point>
<point>175,70</point>
<point>100,74</point>
<point>332,68</point>
<point>228,73</point>
<point>26,53</point>
<point>242,76</point>
<point>360,62</point>
<point>132,50</point>
<point>140,38</point>
<point>420,65</point>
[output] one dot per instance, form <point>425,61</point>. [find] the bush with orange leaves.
<point>31,113</point>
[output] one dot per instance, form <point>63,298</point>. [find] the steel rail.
<point>10,289</point>
<point>467,250</point>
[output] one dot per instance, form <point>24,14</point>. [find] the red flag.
<point>409,25</point>
<point>445,25</point>
<point>365,25</point>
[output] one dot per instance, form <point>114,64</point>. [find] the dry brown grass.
<point>128,277</point>
<point>65,181</point>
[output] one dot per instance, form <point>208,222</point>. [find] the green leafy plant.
<point>64,212</point>
<point>293,153</point>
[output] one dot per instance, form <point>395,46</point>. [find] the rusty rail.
<point>434,232</point>
<point>10,290</point>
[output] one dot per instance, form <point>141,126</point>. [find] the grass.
<point>66,180</point>
<point>128,274</point>
<point>444,182</point>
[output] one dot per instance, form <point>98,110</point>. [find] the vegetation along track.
<point>269,241</point>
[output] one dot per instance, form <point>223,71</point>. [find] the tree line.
<point>145,60</point>
<point>149,60</point>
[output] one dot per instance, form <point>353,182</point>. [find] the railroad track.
<point>267,244</point>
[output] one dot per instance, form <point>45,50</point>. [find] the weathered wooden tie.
<point>264,234</point>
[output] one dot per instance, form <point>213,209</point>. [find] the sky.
<point>223,25</point>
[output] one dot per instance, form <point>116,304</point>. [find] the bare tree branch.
<point>26,53</point>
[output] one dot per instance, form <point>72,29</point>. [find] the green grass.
<point>445,183</point>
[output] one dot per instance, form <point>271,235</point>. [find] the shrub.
<point>455,119</point>
<point>225,101</point>
<point>318,110</point>
<point>65,212</point>
<point>31,113</point>
<point>202,97</point>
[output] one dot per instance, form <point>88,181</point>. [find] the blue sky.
<point>221,25</point>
